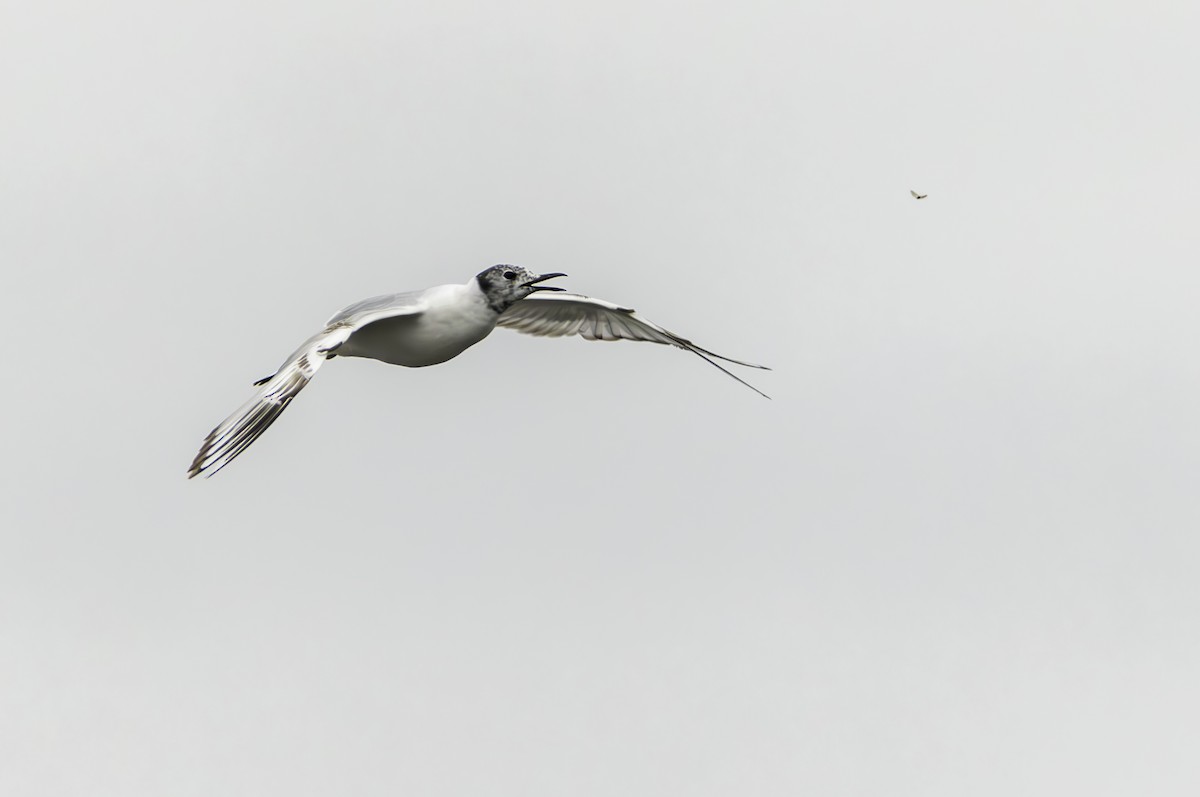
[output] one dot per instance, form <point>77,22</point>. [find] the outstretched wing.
<point>234,434</point>
<point>557,314</point>
<point>239,430</point>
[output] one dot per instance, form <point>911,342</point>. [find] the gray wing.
<point>555,315</point>
<point>234,434</point>
<point>275,392</point>
<point>380,307</point>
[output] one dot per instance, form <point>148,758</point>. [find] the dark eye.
<point>510,275</point>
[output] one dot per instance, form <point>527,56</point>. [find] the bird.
<point>422,328</point>
<point>916,195</point>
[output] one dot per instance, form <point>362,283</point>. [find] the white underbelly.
<point>416,341</point>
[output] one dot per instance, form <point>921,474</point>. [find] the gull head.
<point>505,285</point>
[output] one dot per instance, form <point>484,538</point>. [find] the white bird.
<point>916,195</point>
<point>430,327</point>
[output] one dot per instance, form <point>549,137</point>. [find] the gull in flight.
<point>916,195</point>
<point>430,327</point>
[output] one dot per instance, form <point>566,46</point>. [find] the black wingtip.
<point>701,353</point>
<point>197,467</point>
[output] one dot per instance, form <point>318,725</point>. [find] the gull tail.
<point>234,434</point>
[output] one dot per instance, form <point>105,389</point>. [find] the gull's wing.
<point>234,434</point>
<point>554,315</point>
<point>914,193</point>
<point>378,307</point>
<point>239,430</point>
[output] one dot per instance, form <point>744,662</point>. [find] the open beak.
<point>534,283</point>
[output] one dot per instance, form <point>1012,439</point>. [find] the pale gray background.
<point>956,555</point>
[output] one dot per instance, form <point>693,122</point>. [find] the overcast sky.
<point>956,554</point>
